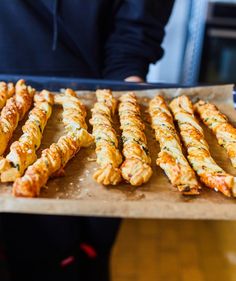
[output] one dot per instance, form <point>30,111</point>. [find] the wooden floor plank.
<point>175,250</point>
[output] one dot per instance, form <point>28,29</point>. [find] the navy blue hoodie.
<point>109,39</point>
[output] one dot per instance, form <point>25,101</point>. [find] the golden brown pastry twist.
<point>58,154</point>
<point>6,91</point>
<point>23,152</point>
<point>199,156</point>
<point>136,167</point>
<point>171,158</point>
<point>14,111</point>
<point>108,155</point>
<point>219,124</point>
<point>73,115</point>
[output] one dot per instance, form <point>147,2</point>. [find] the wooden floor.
<point>175,250</point>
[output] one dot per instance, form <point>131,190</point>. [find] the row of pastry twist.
<point>31,174</point>
<point>54,158</point>
<point>21,165</point>
<point>183,172</point>
<point>198,153</point>
<point>136,167</point>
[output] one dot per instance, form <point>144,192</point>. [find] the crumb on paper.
<point>89,194</point>
<point>145,99</point>
<point>133,195</point>
<point>81,179</point>
<point>90,159</point>
<point>216,189</point>
<point>141,196</point>
<point>231,257</point>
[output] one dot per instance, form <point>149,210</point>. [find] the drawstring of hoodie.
<point>55,26</point>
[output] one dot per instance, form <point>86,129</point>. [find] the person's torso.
<point>76,29</point>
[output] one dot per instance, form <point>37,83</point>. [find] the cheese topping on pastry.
<point>171,158</point>
<point>219,124</point>
<point>199,156</point>
<point>6,91</point>
<point>54,158</point>
<point>14,111</point>
<point>108,154</point>
<point>136,167</point>
<point>23,152</point>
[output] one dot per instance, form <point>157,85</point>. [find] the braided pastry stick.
<point>14,111</point>
<point>6,91</point>
<point>58,154</point>
<point>73,116</point>
<point>219,124</point>
<point>198,150</point>
<point>23,152</point>
<point>171,158</point>
<point>108,155</point>
<point>136,167</point>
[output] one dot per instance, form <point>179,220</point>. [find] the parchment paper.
<point>78,194</point>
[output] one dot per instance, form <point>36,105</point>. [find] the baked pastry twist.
<point>136,167</point>
<point>219,124</point>
<point>14,111</point>
<point>171,158</point>
<point>199,156</point>
<point>54,158</point>
<point>108,155</point>
<point>23,152</point>
<point>6,91</point>
<point>73,115</point>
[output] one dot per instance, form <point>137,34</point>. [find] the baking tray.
<point>78,194</point>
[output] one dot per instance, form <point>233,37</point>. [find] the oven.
<point>210,48</point>
<point>218,59</point>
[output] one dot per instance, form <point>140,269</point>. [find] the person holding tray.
<point>104,39</point>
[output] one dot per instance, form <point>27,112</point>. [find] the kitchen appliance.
<point>210,53</point>
<point>218,58</point>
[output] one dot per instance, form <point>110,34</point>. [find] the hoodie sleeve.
<point>135,37</point>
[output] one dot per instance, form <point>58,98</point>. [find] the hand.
<point>136,79</point>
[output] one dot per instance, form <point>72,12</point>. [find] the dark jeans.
<point>57,247</point>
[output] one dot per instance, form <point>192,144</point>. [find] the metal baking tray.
<point>78,194</point>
